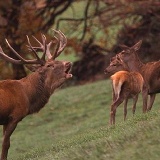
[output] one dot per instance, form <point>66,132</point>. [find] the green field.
<point>74,126</point>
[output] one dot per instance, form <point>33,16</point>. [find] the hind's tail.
<point>117,83</point>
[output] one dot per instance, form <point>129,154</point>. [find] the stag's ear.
<point>137,46</point>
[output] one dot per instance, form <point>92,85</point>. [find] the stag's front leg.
<point>151,101</point>
<point>7,131</point>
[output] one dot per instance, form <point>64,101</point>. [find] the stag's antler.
<point>21,61</point>
<point>44,47</point>
<point>7,58</point>
<point>62,41</point>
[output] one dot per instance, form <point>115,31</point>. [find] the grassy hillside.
<point>74,125</point>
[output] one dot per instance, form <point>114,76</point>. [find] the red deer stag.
<point>125,85</point>
<point>150,72</point>
<point>19,98</point>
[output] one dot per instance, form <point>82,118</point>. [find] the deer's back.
<point>151,69</point>
<point>151,75</point>
<point>132,82</point>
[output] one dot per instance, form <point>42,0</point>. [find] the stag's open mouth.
<point>68,67</point>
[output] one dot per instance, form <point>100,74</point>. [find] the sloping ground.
<point>74,125</point>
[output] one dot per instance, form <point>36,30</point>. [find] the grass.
<point>74,126</point>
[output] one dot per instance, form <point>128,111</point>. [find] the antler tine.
<point>58,45</point>
<point>7,58</point>
<point>21,61</point>
<point>43,39</point>
<point>47,47</point>
<point>32,49</point>
<point>44,47</point>
<point>38,43</point>
<point>62,41</point>
<point>48,50</point>
<point>21,58</point>
<point>64,37</point>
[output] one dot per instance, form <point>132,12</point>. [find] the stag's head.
<point>130,53</point>
<point>54,71</point>
<point>116,64</point>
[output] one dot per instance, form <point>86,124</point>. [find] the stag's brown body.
<point>150,72</point>
<point>19,98</point>
<point>125,85</point>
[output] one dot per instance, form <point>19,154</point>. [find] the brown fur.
<point>19,98</point>
<point>150,72</point>
<point>129,78</point>
<point>125,85</point>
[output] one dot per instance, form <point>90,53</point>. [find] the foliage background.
<point>74,124</point>
<point>92,27</point>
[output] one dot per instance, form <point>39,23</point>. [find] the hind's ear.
<point>123,47</point>
<point>137,46</point>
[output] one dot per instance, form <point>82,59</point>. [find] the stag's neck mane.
<point>37,91</point>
